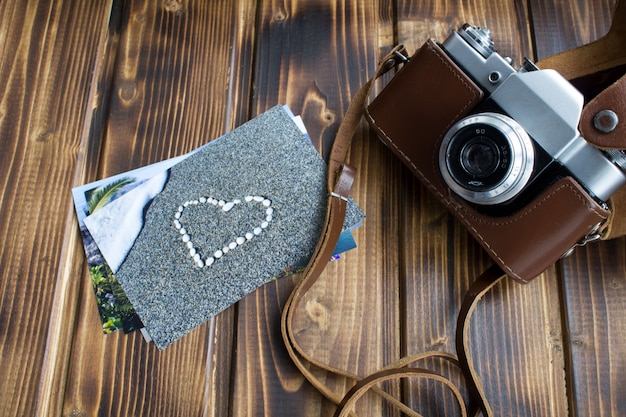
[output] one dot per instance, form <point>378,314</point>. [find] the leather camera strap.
<point>340,179</point>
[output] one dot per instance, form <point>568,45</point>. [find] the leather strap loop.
<point>363,386</point>
<point>354,114</point>
<point>334,222</point>
<point>477,290</point>
<point>340,179</point>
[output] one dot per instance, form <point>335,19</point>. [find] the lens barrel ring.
<point>498,136</point>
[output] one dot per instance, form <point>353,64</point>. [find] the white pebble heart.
<point>224,206</point>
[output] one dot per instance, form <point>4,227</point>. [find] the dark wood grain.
<point>441,260</point>
<point>170,93</point>
<point>594,289</point>
<point>297,45</point>
<point>559,26</point>
<point>91,89</point>
<point>592,280</point>
<point>45,95</point>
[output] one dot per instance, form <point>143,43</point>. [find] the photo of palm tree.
<point>116,311</point>
<point>111,215</point>
<point>104,195</point>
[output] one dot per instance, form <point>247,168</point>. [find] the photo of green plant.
<point>108,213</point>
<point>116,311</point>
<point>104,195</point>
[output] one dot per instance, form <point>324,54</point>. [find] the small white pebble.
<point>202,200</point>
<point>221,203</point>
<point>193,251</point>
<point>264,225</point>
<point>269,218</point>
<point>177,215</point>
<point>183,231</point>
<point>232,245</point>
<point>186,238</point>
<point>228,206</point>
<point>225,249</point>
<point>258,198</point>
<point>210,261</point>
<point>269,211</point>
<point>218,254</point>
<point>267,203</point>
<point>200,263</point>
<point>249,235</point>
<point>257,231</point>
<point>196,257</point>
<point>240,240</point>
<point>248,198</point>
<point>189,244</point>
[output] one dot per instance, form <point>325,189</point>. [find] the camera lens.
<point>480,157</point>
<point>486,158</point>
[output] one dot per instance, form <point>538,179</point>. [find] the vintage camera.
<point>500,147</point>
<point>522,137</point>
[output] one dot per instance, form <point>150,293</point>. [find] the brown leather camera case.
<point>411,115</point>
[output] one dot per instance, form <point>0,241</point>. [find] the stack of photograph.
<point>172,244</point>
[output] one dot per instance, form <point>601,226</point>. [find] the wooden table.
<point>94,88</point>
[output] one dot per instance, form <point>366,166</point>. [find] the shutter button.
<point>605,121</point>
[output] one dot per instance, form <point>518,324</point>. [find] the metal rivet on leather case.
<point>605,121</point>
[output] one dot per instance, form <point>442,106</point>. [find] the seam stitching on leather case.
<point>539,203</point>
<point>456,75</point>
<point>529,210</point>
<point>468,87</point>
<point>463,214</point>
<point>446,201</point>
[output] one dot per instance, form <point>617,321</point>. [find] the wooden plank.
<point>49,52</point>
<point>592,279</point>
<point>169,94</point>
<point>56,360</point>
<point>314,56</point>
<point>594,289</point>
<point>516,330</point>
<point>562,25</point>
<point>80,102</point>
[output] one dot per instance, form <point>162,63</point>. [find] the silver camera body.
<point>523,136</point>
